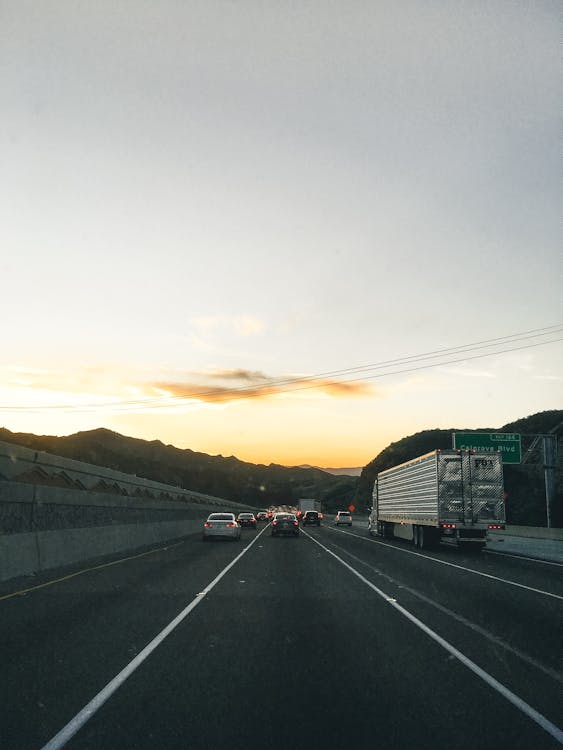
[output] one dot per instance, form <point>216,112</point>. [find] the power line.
<point>255,391</point>
<point>235,394</point>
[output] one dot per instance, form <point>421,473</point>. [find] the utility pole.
<point>549,460</point>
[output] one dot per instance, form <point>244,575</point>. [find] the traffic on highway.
<point>333,639</point>
<point>281,449</point>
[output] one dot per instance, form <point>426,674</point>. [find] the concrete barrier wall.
<point>530,532</point>
<point>56,511</point>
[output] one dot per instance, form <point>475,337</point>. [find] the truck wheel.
<point>423,538</point>
<point>426,537</point>
<point>415,536</point>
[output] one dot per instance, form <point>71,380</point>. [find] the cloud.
<point>239,325</point>
<point>250,376</point>
<point>255,384</point>
<point>52,380</point>
<point>247,326</point>
<point>130,391</point>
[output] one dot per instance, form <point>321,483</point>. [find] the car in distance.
<point>262,515</point>
<point>246,519</point>
<point>221,526</point>
<point>285,524</point>
<point>311,518</point>
<point>343,518</point>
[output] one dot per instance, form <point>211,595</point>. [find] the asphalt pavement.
<point>332,640</point>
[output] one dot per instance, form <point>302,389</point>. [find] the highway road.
<point>333,640</point>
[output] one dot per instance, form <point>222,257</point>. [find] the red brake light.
<point>296,523</point>
<point>207,525</point>
<point>448,525</point>
<point>231,524</point>
<point>274,523</point>
<point>496,526</point>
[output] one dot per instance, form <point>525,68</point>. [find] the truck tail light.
<point>496,526</point>
<point>448,525</point>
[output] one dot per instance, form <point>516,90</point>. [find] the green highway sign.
<point>508,443</point>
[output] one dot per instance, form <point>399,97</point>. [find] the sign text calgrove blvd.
<point>507,443</point>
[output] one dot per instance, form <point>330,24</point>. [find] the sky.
<point>212,212</point>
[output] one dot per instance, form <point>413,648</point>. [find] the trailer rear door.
<point>470,487</point>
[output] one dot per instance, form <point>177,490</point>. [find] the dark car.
<point>247,519</point>
<point>262,515</point>
<point>311,518</point>
<point>285,524</point>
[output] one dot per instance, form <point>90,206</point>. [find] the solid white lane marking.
<point>451,565</point>
<point>520,704</point>
<point>459,618</point>
<point>22,592</point>
<point>68,731</point>
<point>522,557</point>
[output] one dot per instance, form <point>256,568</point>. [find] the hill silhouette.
<point>229,478</point>
<point>262,485</point>
<point>524,483</point>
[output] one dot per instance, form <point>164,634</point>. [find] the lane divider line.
<point>519,703</point>
<point>70,729</point>
<point>522,557</point>
<point>88,570</point>
<point>451,565</point>
<point>459,618</point>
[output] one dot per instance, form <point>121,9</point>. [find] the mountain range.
<point>347,472</point>
<point>240,481</point>
<point>262,485</point>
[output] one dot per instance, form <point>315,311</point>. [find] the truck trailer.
<point>308,503</point>
<point>444,496</point>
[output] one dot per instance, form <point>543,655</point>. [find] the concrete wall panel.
<point>18,555</point>
<point>55,511</point>
<point>58,548</point>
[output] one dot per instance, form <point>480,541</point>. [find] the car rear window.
<point>221,517</point>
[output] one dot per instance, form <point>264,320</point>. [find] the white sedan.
<point>221,526</point>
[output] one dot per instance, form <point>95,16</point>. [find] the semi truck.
<point>449,496</point>
<point>307,503</point>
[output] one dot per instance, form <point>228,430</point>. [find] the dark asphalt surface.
<point>289,650</point>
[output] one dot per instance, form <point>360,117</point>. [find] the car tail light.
<point>296,523</point>
<point>230,525</point>
<point>207,525</point>
<point>274,523</point>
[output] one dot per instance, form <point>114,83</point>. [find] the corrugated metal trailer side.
<point>409,491</point>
